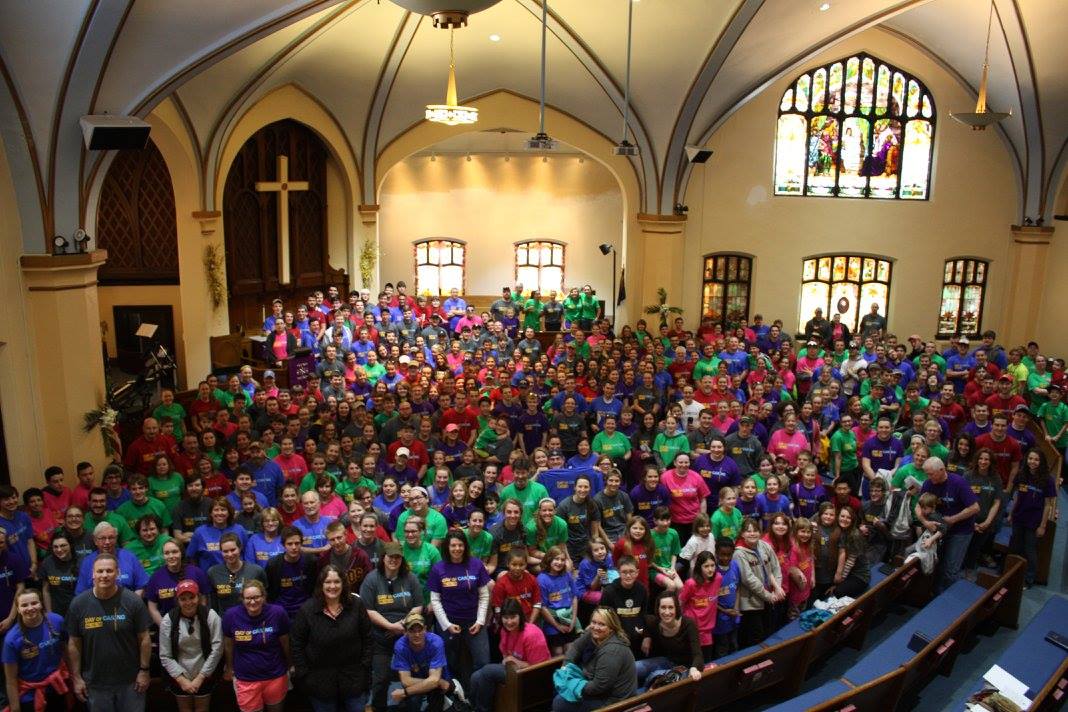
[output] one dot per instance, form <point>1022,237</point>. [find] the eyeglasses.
<point>253,598</point>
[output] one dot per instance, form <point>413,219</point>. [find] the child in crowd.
<point>560,599</point>
<point>727,519</point>
<point>666,549</point>
<point>800,567</point>
<point>746,502</point>
<point>638,544</point>
<point>700,540</point>
<point>728,617</point>
<point>595,571</point>
<point>699,598</point>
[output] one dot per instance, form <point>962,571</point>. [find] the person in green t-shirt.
<point>1038,382</point>
<point>527,493</point>
<point>478,539</point>
<point>611,442</point>
<point>572,307</point>
<point>669,443</point>
<point>148,546</point>
<point>666,549</point>
<point>589,308</point>
<point>433,524</point>
<point>420,555</point>
<point>913,469</point>
<point>354,478</point>
<point>545,530</point>
<point>532,309</point>
<point>707,365</point>
<point>727,519</point>
<point>844,461</point>
<point>169,409</point>
<point>141,504</point>
<point>1054,417</point>
<point>166,485</point>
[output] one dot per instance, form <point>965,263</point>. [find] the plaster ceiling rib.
<point>1056,176</point>
<point>237,105</point>
<point>645,162</point>
<point>793,64</point>
<point>1016,41</point>
<point>673,159</point>
<point>398,50</point>
<point>191,132</point>
<point>23,162</point>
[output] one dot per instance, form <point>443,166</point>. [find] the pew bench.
<point>528,689</point>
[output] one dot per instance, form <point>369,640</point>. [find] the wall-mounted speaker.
<point>104,132</point>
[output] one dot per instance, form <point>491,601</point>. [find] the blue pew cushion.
<point>1031,658</point>
<point>824,692</point>
<point>1003,536</point>
<point>739,654</point>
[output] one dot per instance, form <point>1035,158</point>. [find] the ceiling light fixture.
<point>469,158</point>
<point>625,147</point>
<point>447,14</point>
<point>541,141</point>
<point>825,7</point>
<point>495,38</point>
<point>451,113</point>
<point>981,118</point>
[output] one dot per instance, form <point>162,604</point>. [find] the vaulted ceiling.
<point>373,65</point>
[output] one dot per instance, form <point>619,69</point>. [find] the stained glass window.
<point>725,288</point>
<point>439,266</point>
<point>844,284</point>
<point>963,291</point>
<point>856,128</point>
<point>539,264</point>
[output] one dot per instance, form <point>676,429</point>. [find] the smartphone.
<point>1061,641</point>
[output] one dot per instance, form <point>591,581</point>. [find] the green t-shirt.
<point>665,545</point>
<point>727,525</point>
<point>168,491</point>
<point>555,535</point>
<point>529,497</point>
<point>436,525</point>
<point>668,447</point>
<point>759,481</point>
<point>374,372</point>
<point>705,367</point>
<point>151,558</point>
<point>871,405</point>
<point>532,309</point>
<point>1055,417</point>
<point>176,413</point>
<point>132,512</point>
<point>420,561</point>
<point>845,442</point>
<point>904,472</point>
<point>1038,380</point>
<point>589,307</point>
<point>346,488</point>
<point>481,545</point>
<point>615,446</point>
<point>307,484</point>
<point>487,437</point>
<point>572,308</point>
<point>114,519</point>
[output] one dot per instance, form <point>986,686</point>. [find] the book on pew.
<point>918,642</point>
<point>1002,693</point>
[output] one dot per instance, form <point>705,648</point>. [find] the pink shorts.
<point>253,695</point>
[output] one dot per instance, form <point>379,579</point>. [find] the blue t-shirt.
<point>556,592</point>
<point>314,534</point>
<point>38,652</point>
<point>132,574</point>
<point>768,507</point>
<point>13,571</point>
<point>292,585</point>
<point>560,484</point>
<point>602,408</point>
<point>235,500</point>
<point>268,478</point>
<point>203,547</point>
<point>728,595</point>
<point>419,663</point>
<point>258,654</point>
<point>162,584</point>
<point>258,550</point>
<point>19,530</point>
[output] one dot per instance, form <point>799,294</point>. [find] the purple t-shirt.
<point>293,588</point>
<point>955,495</point>
<point>646,502</point>
<point>257,652</point>
<point>882,453</point>
<point>458,585</point>
<point>807,500</point>
<point>717,475</point>
<point>161,585</point>
<point>1029,499</point>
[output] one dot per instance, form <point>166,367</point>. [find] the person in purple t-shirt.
<point>459,599</point>
<point>649,494</point>
<point>256,640</point>
<point>958,506</point>
<point>1033,506</point>
<point>882,452</point>
<point>291,574</point>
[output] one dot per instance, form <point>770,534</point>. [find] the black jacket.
<point>332,658</point>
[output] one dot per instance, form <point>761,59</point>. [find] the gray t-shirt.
<point>579,524</point>
<point>109,629</point>
<point>614,512</point>
<point>226,587</point>
<point>746,452</point>
<point>393,600</point>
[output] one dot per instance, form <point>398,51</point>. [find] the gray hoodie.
<point>609,667</point>
<point>755,580</point>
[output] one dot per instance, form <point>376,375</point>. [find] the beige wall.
<point>491,204</point>
<point>973,202</point>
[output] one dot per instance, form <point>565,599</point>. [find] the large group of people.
<point>454,492</point>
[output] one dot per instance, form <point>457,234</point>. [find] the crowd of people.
<point>449,495</point>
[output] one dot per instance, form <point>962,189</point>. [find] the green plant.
<point>213,268</point>
<point>368,262</point>
<point>662,307</point>
<point>103,418</point>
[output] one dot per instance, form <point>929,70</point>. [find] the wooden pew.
<point>680,696</point>
<point>528,689</point>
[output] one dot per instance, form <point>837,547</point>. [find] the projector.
<point>540,142</point>
<point>626,148</point>
<point>105,132</point>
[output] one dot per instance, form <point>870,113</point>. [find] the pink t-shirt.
<point>787,445</point>
<point>699,601</point>
<point>801,560</point>
<point>527,645</point>
<point>687,494</point>
<point>334,508</point>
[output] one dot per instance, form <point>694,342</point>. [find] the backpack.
<point>668,677</point>
<point>899,518</point>
<point>175,616</point>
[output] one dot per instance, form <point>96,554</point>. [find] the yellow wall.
<point>973,202</point>
<point>490,204</point>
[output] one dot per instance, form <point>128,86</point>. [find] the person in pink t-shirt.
<point>788,441</point>
<point>57,496</point>
<point>689,493</point>
<point>700,597</point>
<point>522,645</point>
<point>800,567</point>
<point>293,465</point>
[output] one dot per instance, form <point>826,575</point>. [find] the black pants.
<point>754,628</point>
<point>381,675</point>
<point>852,587</point>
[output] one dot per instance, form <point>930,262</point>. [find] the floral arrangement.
<point>213,266</point>
<point>662,308</point>
<point>103,418</point>
<point>368,262</point>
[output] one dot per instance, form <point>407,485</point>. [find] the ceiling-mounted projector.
<point>626,148</point>
<point>540,142</point>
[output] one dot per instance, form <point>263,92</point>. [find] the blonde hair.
<point>612,621</point>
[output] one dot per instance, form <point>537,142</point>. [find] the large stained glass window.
<point>439,266</point>
<point>963,291</point>
<point>539,264</point>
<point>856,128</point>
<point>846,285</point>
<point>725,288</point>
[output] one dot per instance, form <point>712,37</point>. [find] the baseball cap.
<point>1005,377</point>
<point>256,445</point>
<point>414,619</point>
<point>452,428</point>
<point>405,359</point>
<point>268,374</point>
<point>187,586</point>
<point>556,453</point>
<point>1021,408</point>
<point>964,340</point>
<point>915,337</point>
<point>1055,387</point>
<point>746,420</point>
<point>392,548</point>
<point>403,452</point>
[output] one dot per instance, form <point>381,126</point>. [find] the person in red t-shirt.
<point>952,412</point>
<point>203,403</point>
<point>518,585</point>
<point>1007,452</point>
<point>185,460</point>
<point>142,454</point>
<point>86,482</point>
<point>418,457</point>
<point>1004,402</point>
<point>293,465</point>
<point>463,416</point>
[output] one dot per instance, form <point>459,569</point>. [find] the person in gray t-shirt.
<point>615,506</point>
<point>228,578</point>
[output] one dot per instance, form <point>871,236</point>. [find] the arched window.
<point>846,285</point>
<point>725,288</point>
<point>539,264</point>
<point>439,266</point>
<point>963,291</point>
<point>855,128</point>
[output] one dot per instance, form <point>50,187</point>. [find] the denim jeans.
<point>953,552</point>
<point>478,645</point>
<point>484,684</point>
<point>434,701</point>
<point>115,698</point>
<point>352,704</point>
<point>644,668</point>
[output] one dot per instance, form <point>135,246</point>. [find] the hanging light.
<point>451,113</point>
<point>625,147</point>
<point>541,141</point>
<point>981,118</point>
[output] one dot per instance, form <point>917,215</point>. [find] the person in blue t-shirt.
<point>266,474</point>
<point>132,574</point>
<point>18,527</point>
<point>35,646</point>
<point>419,661</point>
<point>725,634</point>
<point>203,549</point>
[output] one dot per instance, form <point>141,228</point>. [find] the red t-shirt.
<point>417,454</point>
<point>637,550</point>
<point>525,590</point>
<point>216,486</point>
<point>1006,454</point>
<point>293,467</point>
<point>141,455</point>
<point>997,404</point>
<point>466,420</point>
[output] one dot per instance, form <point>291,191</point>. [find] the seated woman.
<point>670,639</point>
<point>522,645</point>
<point>853,572</point>
<point>607,666</point>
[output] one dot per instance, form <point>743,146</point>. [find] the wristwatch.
<point>144,669</point>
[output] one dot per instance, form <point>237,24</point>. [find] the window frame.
<point>831,282</point>
<point>963,282</point>
<point>453,243</point>
<point>540,241</point>
<point>708,267</point>
<point>925,97</point>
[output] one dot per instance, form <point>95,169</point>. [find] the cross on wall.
<point>283,186</point>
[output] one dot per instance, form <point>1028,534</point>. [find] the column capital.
<point>1031,234</point>
<point>209,221</point>
<point>662,224</point>
<point>54,273</point>
<point>368,214</point>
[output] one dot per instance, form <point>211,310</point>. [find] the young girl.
<point>700,540</point>
<point>800,567</point>
<point>727,519</point>
<point>765,471</point>
<point>725,634</point>
<point>1032,508</point>
<point>853,572</point>
<point>559,600</point>
<point>637,543</point>
<point>700,597</point>
<point>808,493</point>
<point>826,557</point>
<point>479,540</point>
<point>746,500</point>
<point>458,509</point>
<point>666,549</point>
<point>594,571</point>
<point>545,530</point>
<point>778,536</point>
<point>771,502</point>
<point>759,584</point>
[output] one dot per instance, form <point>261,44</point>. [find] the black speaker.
<point>105,132</point>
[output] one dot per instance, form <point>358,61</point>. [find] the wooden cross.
<point>283,186</point>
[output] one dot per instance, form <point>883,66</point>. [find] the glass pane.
<point>790,154</point>
<point>736,302</point>
<point>434,253</point>
<point>913,99</point>
<point>712,302</point>
<point>852,77</point>
<point>947,313</point>
<point>854,269</point>
<point>927,110</point>
<point>787,100</point>
<point>947,277</point>
<point>743,269</point>
<point>808,270</point>
<point>844,302</point>
<point>420,254</point>
<point>869,269</point>
<point>546,253</point>
<point>916,160</point>
<point>834,98</point>
<point>527,276</point>
<point>819,89</point>
<point>552,278</point>
<point>458,254</point>
<point>426,280</point>
<point>867,85</point>
<point>732,268</point>
<point>824,271</point>
<point>884,273</point>
<point>708,268</point>
<point>885,161</point>
<point>813,295</point>
<point>803,86</point>
<point>558,255</point>
<point>970,309</point>
<point>838,273</point>
<point>721,265</point>
<point>897,104</point>
<point>958,271</point>
<point>452,278</point>
<point>851,179</point>
<point>969,271</point>
<point>882,91</point>
<point>822,149</point>
<point>873,293</point>
<point>521,255</point>
<point>980,272</point>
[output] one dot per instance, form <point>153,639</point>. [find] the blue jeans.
<point>956,546</point>
<point>351,704</point>
<point>478,645</point>
<point>583,705</point>
<point>484,684</point>
<point>644,668</point>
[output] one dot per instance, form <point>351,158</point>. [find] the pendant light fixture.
<point>451,113</point>
<point>541,140</point>
<point>981,118</point>
<point>625,147</point>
